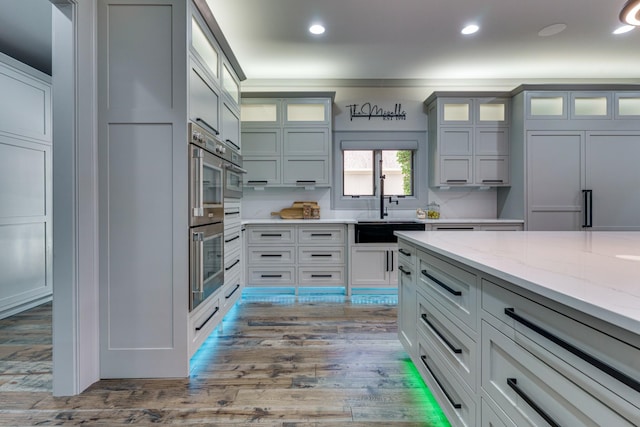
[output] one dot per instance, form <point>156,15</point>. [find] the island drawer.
<point>282,276</point>
<point>406,253</point>
<point>453,344</point>
<point>321,235</point>
<point>600,358</point>
<point>321,276</point>
<point>320,255</point>
<point>271,235</point>
<point>270,255</point>
<point>449,285</point>
<point>457,404</point>
<point>532,393</point>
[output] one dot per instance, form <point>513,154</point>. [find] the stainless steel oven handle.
<point>198,155</point>
<point>198,239</point>
<point>235,168</point>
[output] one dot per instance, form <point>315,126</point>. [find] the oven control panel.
<point>206,140</point>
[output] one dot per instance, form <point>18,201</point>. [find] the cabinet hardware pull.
<point>232,265</point>
<point>232,213</point>
<point>391,257</point>
<point>456,181</point>
<point>386,266</point>
<point>608,369</point>
<point>233,143</point>
<point>233,291</point>
<point>513,383</point>
<point>439,334</point>
<point>271,255</point>
<point>270,276</point>
<point>455,405</point>
<point>403,252</point>
<point>325,276</point>
<point>232,239</point>
<point>258,181</point>
<point>208,318</point>
<point>321,255</point>
<point>305,182</point>
<point>321,234</point>
<point>401,268</point>
<point>492,181</point>
<point>588,208</point>
<point>454,228</point>
<point>271,235</point>
<point>198,119</point>
<point>442,285</point>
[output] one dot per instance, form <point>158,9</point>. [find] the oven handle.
<point>198,155</point>
<point>235,168</point>
<point>198,238</point>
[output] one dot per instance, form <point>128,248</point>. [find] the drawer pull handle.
<point>456,181</point>
<point>271,276</point>
<point>492,181</point>
<point>513,383</point>
<point>258,181</point>
<point>324,276</point>
<point>232,213</point>
<point>442,285</point>
<point>232,239</point>
<point>608,369</point>
<point>439,334</point>
<point>403,252</point>
<point>233,143</point>
<point>208,318</point>
<point>321,255</point>
<point>232,265</point>
<point>455,405</point>
<point>321,234</point>
<point>401,268</point>
<point>271,235</point>
<point>271,255</point>
<point>233,291</point>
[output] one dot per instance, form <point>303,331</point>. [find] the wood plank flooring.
<point>283,361</point>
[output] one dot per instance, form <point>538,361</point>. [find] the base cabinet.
<point>373,266</point>
<point>497,355</point>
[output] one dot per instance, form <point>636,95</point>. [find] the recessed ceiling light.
<point>630,13</point>
<point>470,29</point>
<point>552,30</point>
<point>623,29</point>
<point>316,29</point>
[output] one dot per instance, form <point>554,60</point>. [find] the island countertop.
<point>595,272</point>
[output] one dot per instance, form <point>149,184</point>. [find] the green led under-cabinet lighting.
<point>433,415</point>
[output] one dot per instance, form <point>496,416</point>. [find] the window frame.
<point>379,141</point>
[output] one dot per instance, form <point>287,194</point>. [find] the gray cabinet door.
<point>612,173</point>
<point>203,99</point>
<point>230,126</point>
<point>555,175</point>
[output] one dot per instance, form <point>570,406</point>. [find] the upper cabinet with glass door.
<point>204,49</point>
<point>476,111</point>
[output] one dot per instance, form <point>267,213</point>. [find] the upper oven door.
<point>206,180</point>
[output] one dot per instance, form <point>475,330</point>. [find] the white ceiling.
<point>420,39</point>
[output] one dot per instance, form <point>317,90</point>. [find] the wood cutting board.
<point>290,213</point>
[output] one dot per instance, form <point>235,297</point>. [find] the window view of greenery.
<point>361,172</point>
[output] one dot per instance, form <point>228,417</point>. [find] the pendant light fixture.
<point>630,13</point>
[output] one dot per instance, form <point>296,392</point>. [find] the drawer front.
<point>533,394</point>
<point>540,330</point>
<point>284,276</point>
<point>271,235</point>
<point>320,255</point>
<point>321,235</point>
<point>450,285</point>
<point>231,215</point>
<point>232,264</point>
<point>270,255</point>
<point>230,293</point>
<point>202,322</point>
<point>310,276</point>
<point>232,240</point>
<point>454,345</point>
<point>406,253</point>
<point>455,402</point>
<point>490,418</point>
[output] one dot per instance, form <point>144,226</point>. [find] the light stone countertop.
<point>355,220</point>
<point>595,272</point>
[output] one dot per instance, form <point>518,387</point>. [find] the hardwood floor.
<point>276,361</point>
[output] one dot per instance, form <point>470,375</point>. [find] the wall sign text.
<point>369,111</point>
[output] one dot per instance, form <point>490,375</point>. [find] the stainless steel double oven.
<point>206,211</point>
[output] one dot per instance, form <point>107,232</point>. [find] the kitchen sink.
<point>381,231</point>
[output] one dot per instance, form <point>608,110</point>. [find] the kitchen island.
<point>525,328</point>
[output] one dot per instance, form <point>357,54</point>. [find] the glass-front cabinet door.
<point>203,49</point>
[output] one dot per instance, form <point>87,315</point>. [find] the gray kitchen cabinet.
<point>468,139</point>
<point>373,265</point>
<point>231,125</point>
<point>160,65</point>
<point>571,157</point>
<point>407,296</point>
<point>26,254</point>
<point>287,140</point>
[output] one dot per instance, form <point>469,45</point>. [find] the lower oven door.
<point>206,258</point>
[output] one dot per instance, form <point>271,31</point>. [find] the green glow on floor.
<point>433,414</point>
